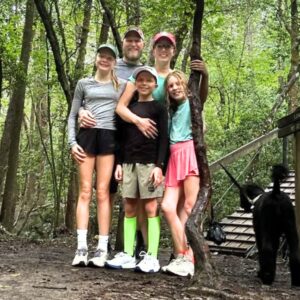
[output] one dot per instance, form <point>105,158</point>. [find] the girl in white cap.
<point>94,148</point>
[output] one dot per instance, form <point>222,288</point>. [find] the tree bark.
<point>13,121</point>
<point>133,12</point>
<point>79,71</point>
<point>51,35</point>
<point>294,34</point>
<point>193,227</point>
<point>180,35</point>
<point>113,26</point>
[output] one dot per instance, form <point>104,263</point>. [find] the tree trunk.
<point>133,12</point>
<point>193,227</point>
<point>67,83</point>
<point>51,35</point>
<point>113,26</point>
<point>294,34</point>
<point>13,121</point>
<point>180,34</point>
<point>72,196</point>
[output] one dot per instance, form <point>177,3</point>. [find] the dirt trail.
<point>42,271</point>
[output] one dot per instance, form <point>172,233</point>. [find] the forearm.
<point>122,107</point>
<point>124,112</point>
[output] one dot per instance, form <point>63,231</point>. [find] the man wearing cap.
<point>133,45</point>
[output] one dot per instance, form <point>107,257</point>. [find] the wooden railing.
<point>243,150</point>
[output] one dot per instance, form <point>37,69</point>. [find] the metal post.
<point>285,151</point>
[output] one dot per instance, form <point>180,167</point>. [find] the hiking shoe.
<point>99,259</point>
<point>149,264</point>
<point>172,257</point>
<point>81,258</point>
<point>121,260</point>
<point>181,266</point>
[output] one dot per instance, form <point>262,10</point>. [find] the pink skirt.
<point>182,163</point>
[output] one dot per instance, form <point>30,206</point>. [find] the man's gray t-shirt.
<point>100,99</point>
<point>124,69</point>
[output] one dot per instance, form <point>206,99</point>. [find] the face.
<point>132,47</point>
<point>105,60</point>
<point>145,83</point>
<point>175,89</point>
<point>163,50</point>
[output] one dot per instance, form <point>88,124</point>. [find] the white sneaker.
<point>121,260</point>
<point>99,259</point>
<point>172,258</point>
<point>181,266</point>
<point>149,264</point>
<point>81,258</point>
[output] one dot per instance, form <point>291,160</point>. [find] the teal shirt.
<point>181,124</point>
<point>159,93</point>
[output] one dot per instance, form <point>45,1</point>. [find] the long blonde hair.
<point>115,80</point>
<point>170,102</point>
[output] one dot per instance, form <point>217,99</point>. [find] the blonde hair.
<point>115,80</point>
<point>180,76</point>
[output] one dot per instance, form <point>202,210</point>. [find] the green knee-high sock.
<point>153,235</point>
<point>129,234</point>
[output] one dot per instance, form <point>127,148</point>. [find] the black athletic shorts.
<point>97,141</point>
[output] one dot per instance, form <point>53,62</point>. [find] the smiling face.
<point>176,89</point>
<point>163,50</point>
<point>132,47</point>
<point>105,60</point>
<point>145,84</point>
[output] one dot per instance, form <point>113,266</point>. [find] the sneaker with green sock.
<point>149,264</point>
<point>121,260</point>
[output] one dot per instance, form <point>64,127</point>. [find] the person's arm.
<point>163,139</point>
<point>199,65</point>
<point>77,152</point>
<point>156,175</point>
<point>145,125</point>
<point>86,118</point>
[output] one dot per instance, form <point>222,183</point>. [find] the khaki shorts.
<point>136,183</point>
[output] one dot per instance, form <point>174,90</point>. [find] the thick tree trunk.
<point>193,228</point>
<point>14,121</point>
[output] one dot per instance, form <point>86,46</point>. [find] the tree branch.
<point>51,35</point>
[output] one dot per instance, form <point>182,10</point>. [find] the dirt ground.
<point>41,270</point>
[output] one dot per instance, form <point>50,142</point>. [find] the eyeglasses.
<point>165,46</point>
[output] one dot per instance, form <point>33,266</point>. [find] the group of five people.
<point>130,116</point>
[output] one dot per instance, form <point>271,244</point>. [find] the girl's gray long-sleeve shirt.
<point>100,99</point>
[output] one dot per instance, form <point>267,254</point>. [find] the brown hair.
<point>170,102</point>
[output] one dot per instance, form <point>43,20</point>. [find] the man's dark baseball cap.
<point>136,30</point>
